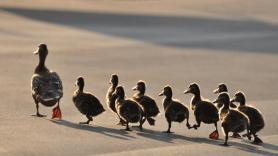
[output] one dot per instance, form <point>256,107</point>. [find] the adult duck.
<point>111,97</point>
<point>255,116</point>
<point>232,120</point>
<point>86,102</point>
<point>175,111</point>
<point>222,87</point>
<point>128,110</point>
<point>204,111</point>
<point>150,108</point>
<point>46,85</point>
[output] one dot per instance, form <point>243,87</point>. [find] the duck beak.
<point>160,94</point>
<point>134,88</point>
<point>187,91</point>
<point>216,91</point>
<point>233,100</point>
<point>36,51</point>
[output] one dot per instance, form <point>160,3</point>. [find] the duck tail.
<point>151,121</point>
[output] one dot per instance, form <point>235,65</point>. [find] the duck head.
<point>120,92</point>
<point>221,88</point>
<point>193,89</point>
<point>140,86</point>
<point>223,98</point>
<point>80,83</point>
<point>114,80</point>
<point>167,91</point>
<point>239,97</point>
<point>42,51</point>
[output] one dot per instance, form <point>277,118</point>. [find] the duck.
<point>222,87</point>
<point>46,85</point>
<point>150,108</point>
<point>128,110</point>
<point>86,102</point>
<point>232,120</point>
<point>111,97</point>
<point>175,111</point>
<point>204,110</point>
<point>255,116</point>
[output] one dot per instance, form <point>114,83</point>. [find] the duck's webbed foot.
<point>121,122</point>
<point>87,122</point>
<point>127,127</point>
<point>195,126</point>
<point>257,141</point>
<point>214,135</point>
<point>38,115</point>
<point>225,144</point>
<point>236,135</point>
<point>168,131</point>
<point>188,125</point>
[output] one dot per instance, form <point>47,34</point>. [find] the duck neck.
<point>81,88</point>
<point>41,66</point>
<point>141,92</point>
<point>167,101</point>
<point>242,101</point>
<point>196,98</point>
<point>114,85</point>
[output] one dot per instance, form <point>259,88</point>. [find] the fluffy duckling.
<point>204,111</point>
<point>222,87</point>
<point>174,110</point>
<point>232,120</point>
<point>85,102</point>
<point>254,115</point>
<point>46,85</point>
<point>128,110</point>
<point>111,98</point>
<point>150,108</point>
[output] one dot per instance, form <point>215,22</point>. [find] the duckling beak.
<point>36,51</point>
<point>215,101</point>
<point>233,100</point>
<point>161,94</point>
<point>216,91</point>
<point>134,88</point>
<point>187,91</point>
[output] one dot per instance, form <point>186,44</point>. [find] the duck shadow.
<point>115,133</point>
<point>254,148</point>
<point>244,145</point>
<point>169,138</point>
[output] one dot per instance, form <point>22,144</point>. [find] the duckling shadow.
<point>169,138</point>
<point>251,148</point>
<point>118,134</point>
<point>270,146</point>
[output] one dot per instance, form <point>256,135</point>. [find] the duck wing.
<point>47,87</point>
<point>149,105</point>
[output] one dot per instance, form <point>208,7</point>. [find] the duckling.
<point>232,120</point>
<point>128,110</point>
<point>111,98</point>
<point>174,110</point>
<point>148,104</point>
<point>204,111</point>
<point>254,115</point>
<point>222,87</point>
<point>85,102</point>
<point>46,85</point>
